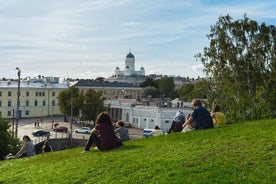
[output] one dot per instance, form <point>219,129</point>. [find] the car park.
<point>40,132</point>
<point>61,129</point>
<point>84,130</point>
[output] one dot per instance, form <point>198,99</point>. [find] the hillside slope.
<point>238,153</point>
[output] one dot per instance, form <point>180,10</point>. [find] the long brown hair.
<point>27,138</point>
<point>104,118</point>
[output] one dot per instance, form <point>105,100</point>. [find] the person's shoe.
<point>84,151</point>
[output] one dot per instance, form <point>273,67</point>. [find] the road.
<point>27,126</point>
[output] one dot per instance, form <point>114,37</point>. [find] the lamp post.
<point>17,105</point>
<point>71,124</point>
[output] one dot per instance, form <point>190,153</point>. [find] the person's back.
<point>46,147</point>
<point>107,136</point>
<point>202,118</point>
<point>122,133</point>
<point>30,149</point>
<point>177,123</point>
<point>219,118</point>
<point>156,131</point>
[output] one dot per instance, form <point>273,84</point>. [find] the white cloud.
<point>91,38</point>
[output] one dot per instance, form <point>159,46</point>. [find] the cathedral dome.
<point>129,55</point>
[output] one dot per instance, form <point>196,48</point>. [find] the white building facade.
<point>137,115</point>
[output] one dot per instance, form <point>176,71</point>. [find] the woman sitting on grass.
<point>218,117</point>
<point>27,148</point>
<point>102,135</point>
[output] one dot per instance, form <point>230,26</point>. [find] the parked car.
<point>147,132</point>
<point>40,132</point>
<point>84,130</point>
<point>61,129</point>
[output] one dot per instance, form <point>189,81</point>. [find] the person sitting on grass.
<point>102,135</point>
<point>121,132</point>
<point>218,116</point>
<point>200,116</point>
<point>177,123</point>
<point>46,147</point>
<point>156,131</point>
<point>27,148</point>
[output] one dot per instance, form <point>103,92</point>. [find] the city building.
<point>111,90</point>
<point>138,115</point>
<point>38,97</point>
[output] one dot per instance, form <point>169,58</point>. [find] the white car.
<point>84,130</point>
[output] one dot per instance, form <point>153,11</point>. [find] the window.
<point>53,93</point>
<point>53,102</point>
<point>127,117</point>
<point>0,103</point>
<point>27,103</point>
<point>43,93</point>
<point>9,103</point>
<point>36,93</point>
<point>27,113</point>
<point>9,113</point>
<point>9,93</point>
<point>35,103</point>
<point>27,93</point>
<point>44,103</point>
<point>0,93</point>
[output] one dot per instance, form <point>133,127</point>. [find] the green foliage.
<point>8,144</point>
<point>166,87</point>
<point>186,91</point>
<point>89,104</point>
<point>201,90</point>
<point>93,104</point>
<point>220,155</point>
<point>240,61</point>
<point>150,91</point>
<point>149,81</point>
<point>64,101</point>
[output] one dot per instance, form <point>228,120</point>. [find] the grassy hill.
<point>238,153</point>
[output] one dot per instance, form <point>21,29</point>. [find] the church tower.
<point>129,64</point>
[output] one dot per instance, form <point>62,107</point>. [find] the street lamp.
<point>71,124</point>
<point>17,105</point>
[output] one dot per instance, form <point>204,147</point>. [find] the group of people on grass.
<point>104,136</point>
<point>200,118</point>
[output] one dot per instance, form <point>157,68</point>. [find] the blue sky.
<point>90,38</point>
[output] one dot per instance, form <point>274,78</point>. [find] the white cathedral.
<point>129,67</point>
<point>128,75</point>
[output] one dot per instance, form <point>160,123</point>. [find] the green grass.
<point>237,153</point>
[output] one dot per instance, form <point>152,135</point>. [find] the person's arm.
<point>213,114</point>
<point>188,121</point>
<point>22,150</point>
<point>93,131</point>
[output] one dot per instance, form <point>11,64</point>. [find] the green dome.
<point>129,55</point>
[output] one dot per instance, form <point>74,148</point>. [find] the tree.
<point>166,87</point>
<point>93,104</point>
<point>149,81</point>
<point>240,62</point>
<point>150,91</point>
<point>186,91</point>
<point>8,144</point>
<point>64,101</point>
